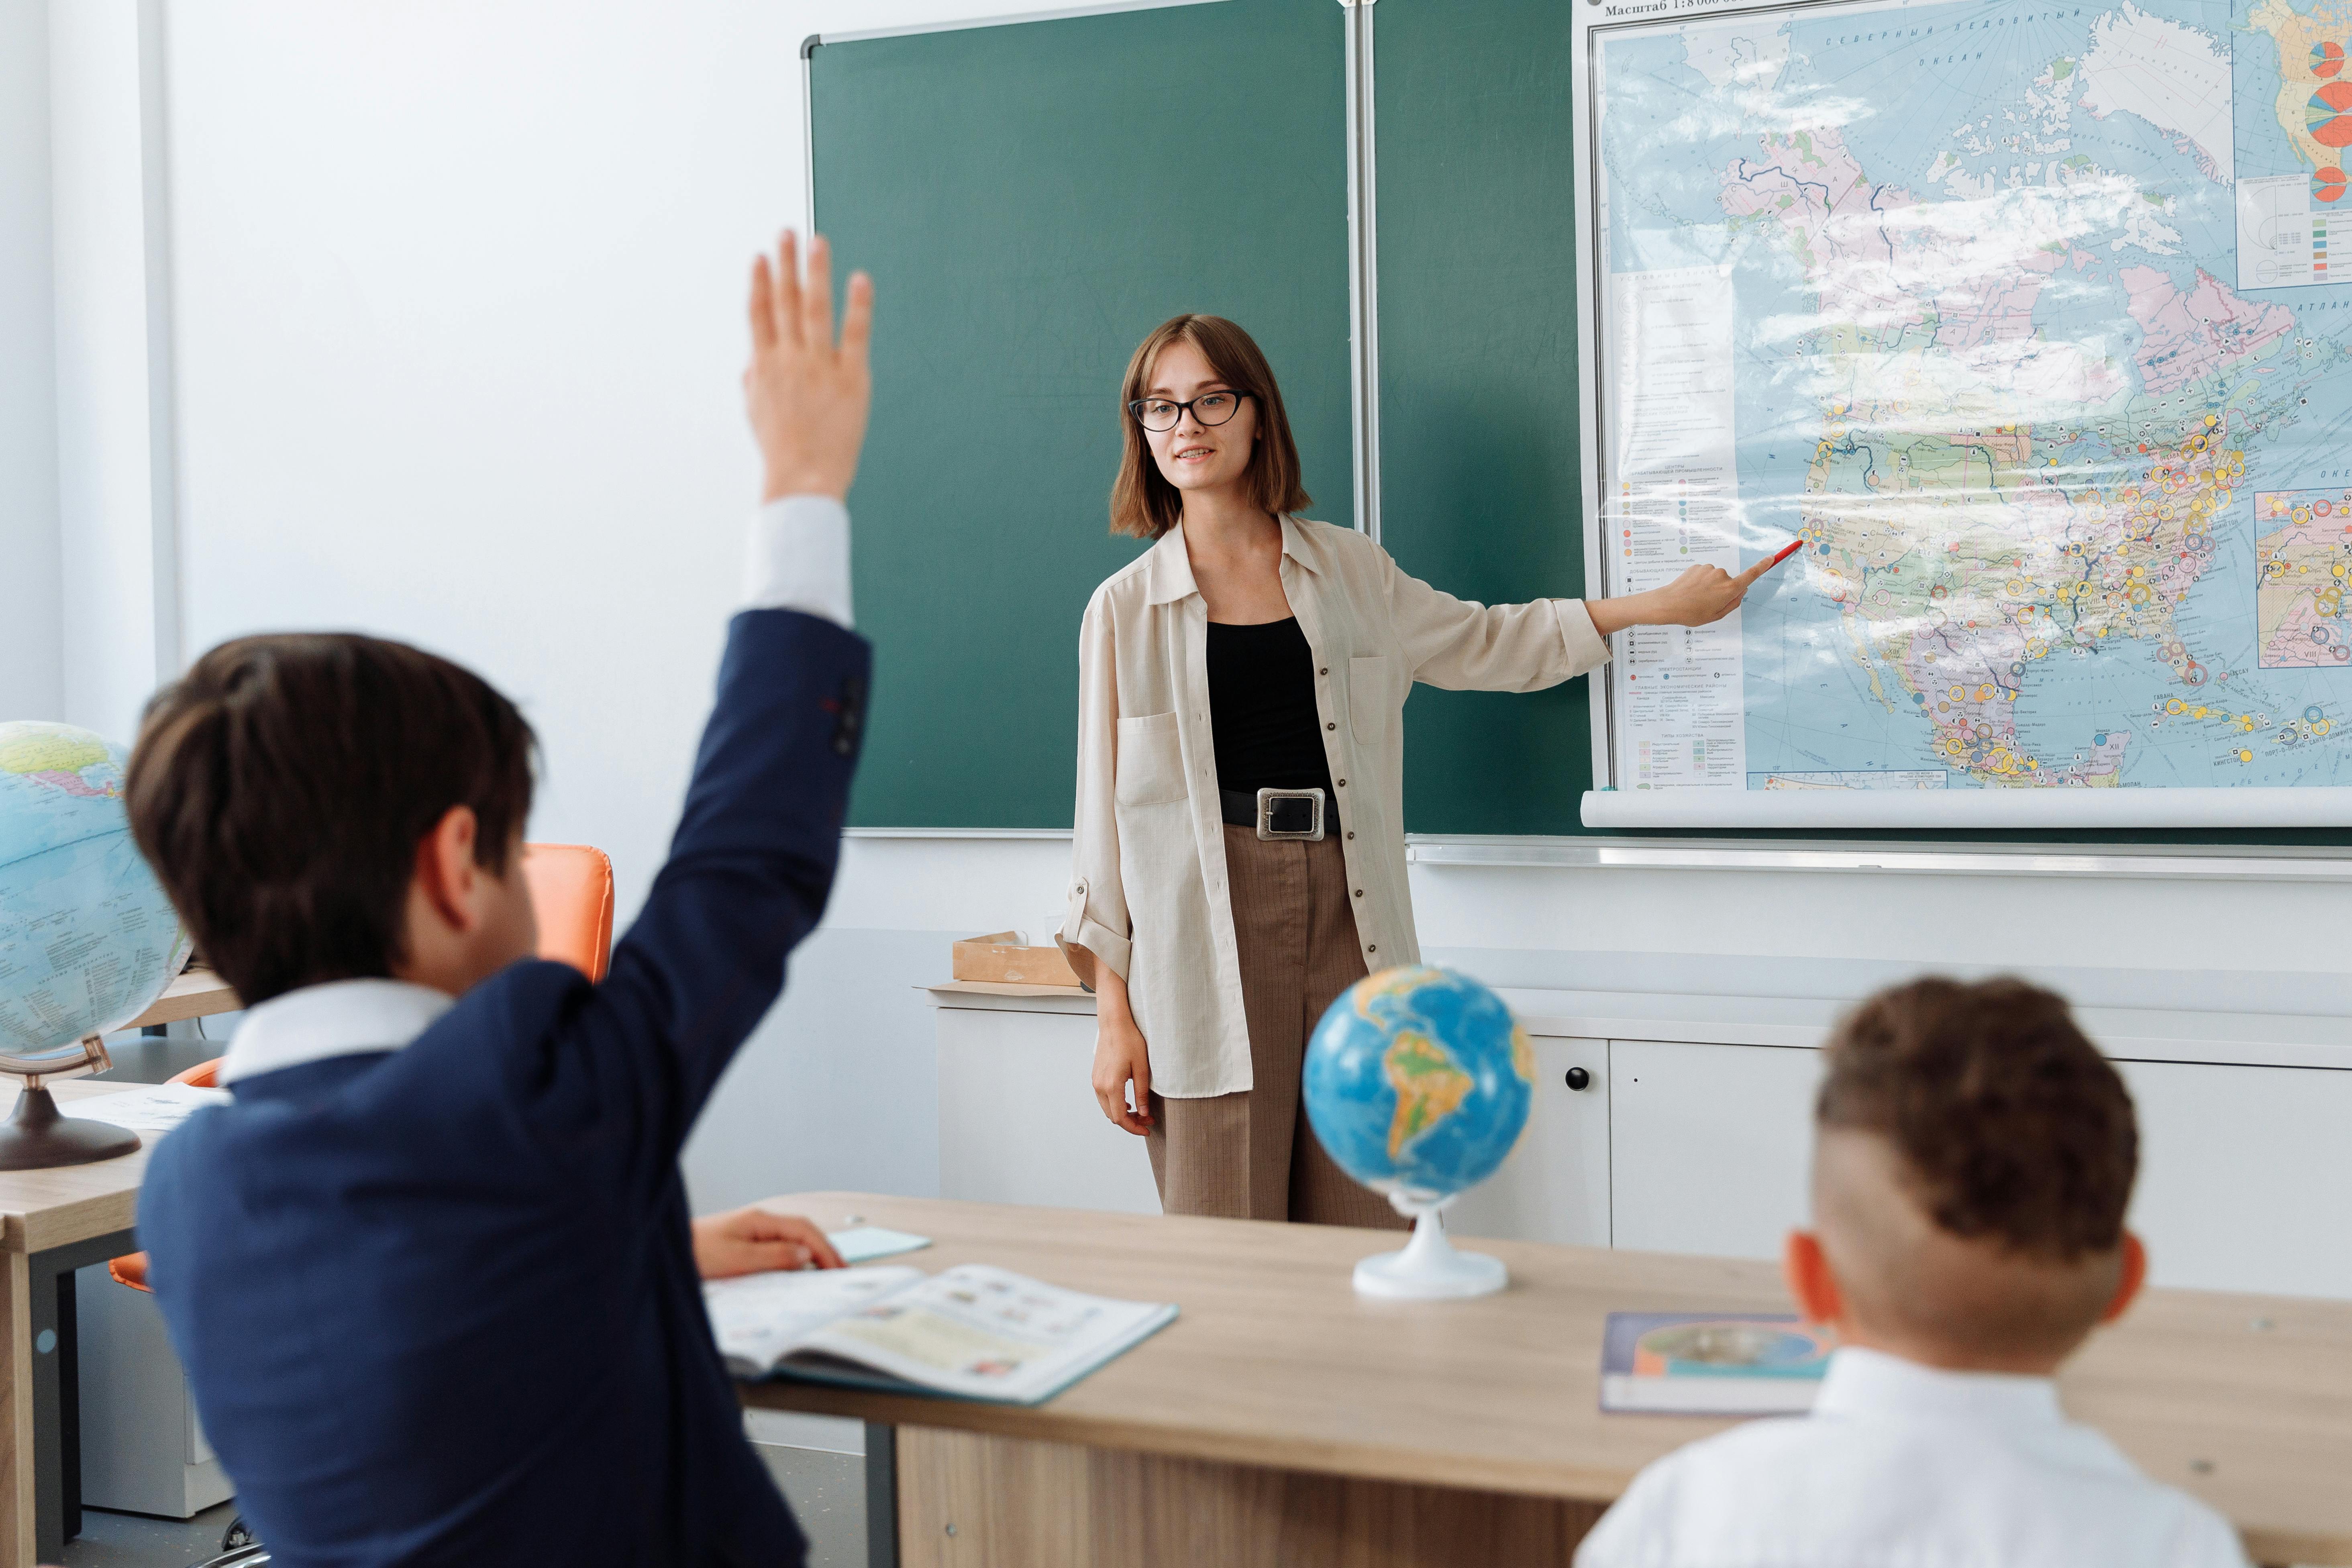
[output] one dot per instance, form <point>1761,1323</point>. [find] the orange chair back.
<point>572,894</point>
<point>204,1075</point>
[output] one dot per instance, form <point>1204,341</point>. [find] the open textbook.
<point>972,1332</point>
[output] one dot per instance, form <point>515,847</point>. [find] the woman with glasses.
<point>1240,832</point>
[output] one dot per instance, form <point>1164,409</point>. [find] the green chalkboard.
<point>1480,489</point>
<point>1479,485</point>
<point>1032,198</point>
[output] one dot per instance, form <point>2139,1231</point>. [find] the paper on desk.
<point>150,1108</point>
<point>870,1241</point>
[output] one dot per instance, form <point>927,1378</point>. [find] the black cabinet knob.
<point>1578,1078</point>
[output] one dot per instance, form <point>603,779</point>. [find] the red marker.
<point>1785,550</point>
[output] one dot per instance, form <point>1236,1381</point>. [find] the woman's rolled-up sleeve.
<point>1463,646</point>
<point>1097,926</point>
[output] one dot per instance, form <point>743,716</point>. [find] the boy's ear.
<point>1807,1269</point>
<point>446,868</point>
<point>2127,1282</point>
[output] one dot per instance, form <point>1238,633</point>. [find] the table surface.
<point>197,994</point>
<point>2245,1401</point>
<point>41,1209</point>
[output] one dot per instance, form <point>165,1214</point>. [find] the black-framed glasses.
<point>1157,414</point>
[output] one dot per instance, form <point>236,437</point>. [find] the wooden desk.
<point>1283,1420</point>
<point>197,994</point>
<point>51,1223</point>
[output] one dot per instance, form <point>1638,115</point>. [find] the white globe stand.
<point>1428,1268</point>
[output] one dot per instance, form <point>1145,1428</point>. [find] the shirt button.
<point>1343,784</point>
<point>1351,836</point>
<point>1325,671</point>
<point>1331,726</point>
<point>1359,892</point>
<point>1374,948</point>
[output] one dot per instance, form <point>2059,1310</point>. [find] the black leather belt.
<point>1276,813</point>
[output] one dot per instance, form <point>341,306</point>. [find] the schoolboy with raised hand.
<point>1973,1158</point>
<point>431,1272</point>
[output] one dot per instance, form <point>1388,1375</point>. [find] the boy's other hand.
<point>807,394</point>
<point>753,1240</point>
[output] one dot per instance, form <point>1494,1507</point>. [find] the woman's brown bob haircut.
<point>281,786</point>
<point>1143,502</point>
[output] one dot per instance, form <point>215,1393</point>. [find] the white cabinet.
<point>2245,1176</point>
<point>1708,1145</point>
<point>1678,1146</point>
<point>1018,1121</point>
<point>1555,1185</point>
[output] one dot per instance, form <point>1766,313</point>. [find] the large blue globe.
<point>1418,1081</point>
<point>88,939</point>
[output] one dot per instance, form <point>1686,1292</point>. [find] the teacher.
<point>1240,825</point>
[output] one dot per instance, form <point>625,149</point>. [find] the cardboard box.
<point>1000,958</point>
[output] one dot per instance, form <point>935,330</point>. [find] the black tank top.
<point>1262,709</point>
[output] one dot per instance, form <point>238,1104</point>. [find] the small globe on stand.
<point>88,937</point>
<point>1418,1082</point>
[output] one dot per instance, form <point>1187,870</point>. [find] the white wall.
<point>458,308</point>
<point>31,675</point>
<point>458,325</point>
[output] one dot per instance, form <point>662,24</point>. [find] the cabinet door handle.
<point>1579,1080</point>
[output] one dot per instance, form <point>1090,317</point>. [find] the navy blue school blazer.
<point>438,1304</point>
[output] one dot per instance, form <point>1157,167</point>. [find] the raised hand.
<point>807,394</point>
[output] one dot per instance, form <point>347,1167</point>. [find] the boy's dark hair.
<point>2010,1123</point>
<point>281,787</point>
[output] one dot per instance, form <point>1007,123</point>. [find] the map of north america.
<point>2027,332</point>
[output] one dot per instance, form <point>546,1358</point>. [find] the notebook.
<point>970,1332</point>
<point>1711,1364</point>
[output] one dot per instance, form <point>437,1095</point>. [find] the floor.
<point>825,1483</point>
<point>136,1541</point>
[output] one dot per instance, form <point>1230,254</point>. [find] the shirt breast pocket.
<point>1150,769</point>
<point>1370,699</point>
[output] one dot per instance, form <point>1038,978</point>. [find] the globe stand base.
<point>39,1137</point>
<point>1428,1268</point>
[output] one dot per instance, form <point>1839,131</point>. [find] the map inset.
<point>1964,296</point>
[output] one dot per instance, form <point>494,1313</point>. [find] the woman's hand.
<point>1122,1057</point>
<point>753,1240</point>
<point>1700,596</point>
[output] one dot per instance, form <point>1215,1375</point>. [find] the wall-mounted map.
<point>2021,317</point>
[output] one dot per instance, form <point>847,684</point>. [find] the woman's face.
<point>1194,454</point>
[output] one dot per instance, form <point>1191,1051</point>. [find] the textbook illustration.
<point>1685,1363</point>
<point>971,1331</point>
<point>2032,323</point>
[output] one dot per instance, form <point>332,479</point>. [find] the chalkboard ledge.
<point>2124,860</point>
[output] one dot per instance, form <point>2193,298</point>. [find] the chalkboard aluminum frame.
<point>1610,806</point>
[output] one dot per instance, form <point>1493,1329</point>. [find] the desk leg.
<point>56,1363</point>
<point>881,1496</point>
<point>17,1378</point>
<point>971,1501</point>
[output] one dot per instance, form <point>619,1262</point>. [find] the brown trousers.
<point>1250,1154</point>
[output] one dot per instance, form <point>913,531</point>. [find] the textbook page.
<point>980,1333</point>
<point>758,1318</point>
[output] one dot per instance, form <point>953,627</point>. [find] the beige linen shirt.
<point>1148,888</point>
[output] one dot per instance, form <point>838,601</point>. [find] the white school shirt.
<point>1148,891</point>
<point>1903,1466</point>
<point>796,557</point>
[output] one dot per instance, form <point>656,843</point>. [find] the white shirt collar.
<point>339,1018</point>
<point>1867,1382</point>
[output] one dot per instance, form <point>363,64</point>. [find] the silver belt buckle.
<point>1266,799</point>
